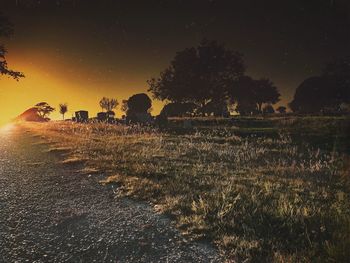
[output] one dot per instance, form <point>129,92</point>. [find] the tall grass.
<point>257,199</point>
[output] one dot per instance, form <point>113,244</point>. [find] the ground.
<point>51,212</point>
<point>265,189</point>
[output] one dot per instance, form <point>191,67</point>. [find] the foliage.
<point>199,75</point>
<point>108,104</point>
<point>124,106</point>
<point>139,103</point>
<point>251,94</point>
<point>265,92</point>
<point>44,109</point>
<point>63,109</point>
<point>177,109</point>
<point>325,93</point>
<point>6,29</point>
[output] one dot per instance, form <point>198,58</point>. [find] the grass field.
<point>259,198</point>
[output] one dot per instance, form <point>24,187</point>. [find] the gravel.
<point>49,212</point>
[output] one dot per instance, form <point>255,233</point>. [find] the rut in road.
<point>51,213</point>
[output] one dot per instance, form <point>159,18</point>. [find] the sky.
<point>77,51</point>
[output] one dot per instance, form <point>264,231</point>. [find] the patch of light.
<point>7,128</point>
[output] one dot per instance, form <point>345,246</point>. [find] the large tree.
<point>44,109</point>
<point>324,93</point>
<point>139,103</point>
<point>6,30</point>
<point>265,92</point>
<point>199,75</point>
<point>338,71</point>
<point>251,94</point>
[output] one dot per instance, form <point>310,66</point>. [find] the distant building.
<point>102,116</point>
<point>82,116</point>
<point>108,116</point>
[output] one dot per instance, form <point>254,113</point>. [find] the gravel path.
<point>51,213</point>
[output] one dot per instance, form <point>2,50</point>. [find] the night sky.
<point>78,51</point>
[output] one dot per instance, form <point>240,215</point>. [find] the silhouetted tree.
<point>108,104</point>
<point>177,109</point>
<point>248,92</point>
<point>63,109</point>
<point>338,72</point>
<point>316,94</point>
<point>6,29</point>
<point>124,106</point>
<point>199,75</point>
<point>246,107</point>
<point>265,92</point>
<point>139,103</point>
<point>44,109</point>
<point>281,109</point>
<point>243,94</point>
<point>325,93</point>
<point>138,108</point>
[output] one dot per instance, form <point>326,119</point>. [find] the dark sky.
<point>127,42</point>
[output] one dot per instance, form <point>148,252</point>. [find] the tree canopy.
<point>44,109</point>
<point>6,29</point>
<point>199,75</point>
<point>251,94</point>
<point>138,103</point>
<point>326,92</point>
<point>176,109</point>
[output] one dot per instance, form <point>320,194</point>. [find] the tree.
<point>248,91</point>
<point>44,109</point>
<point>246,107</point>
<point>6,29</point>
<point>317,94</point>
<point>281,109</point>
<point>139,103</point>
<point>108,104</point>
<point>63,109</point>
<point>325,93</point>
<point>265,92</point>
<point>199,75</point>
<point>339,73</point>
<point>177,109</point>
<point>124,106</point>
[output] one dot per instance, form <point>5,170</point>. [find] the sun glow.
<point>7,128</point>
<point>47,85</point>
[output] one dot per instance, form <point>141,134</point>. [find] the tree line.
<point>210,79</point>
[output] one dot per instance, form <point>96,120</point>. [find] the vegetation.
<point>44,109</point>
<point>261,199</point>
<point>63,109</point>
<point>200,75</point>
<point>325,93</point>
<point>6,30</point>
<point>108,104</point>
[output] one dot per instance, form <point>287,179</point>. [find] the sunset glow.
<point>44,83</point>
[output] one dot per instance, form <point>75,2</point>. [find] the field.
<point>262,190</point>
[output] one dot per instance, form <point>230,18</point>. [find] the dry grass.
<point>258,199</point>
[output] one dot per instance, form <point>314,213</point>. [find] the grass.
<point>258,199</point>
